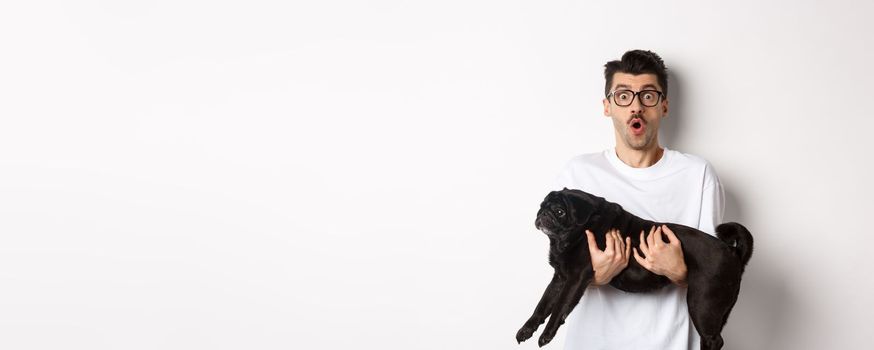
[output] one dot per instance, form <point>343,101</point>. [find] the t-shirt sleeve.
<point>712,202</point>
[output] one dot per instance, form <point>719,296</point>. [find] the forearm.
<point>678,276</point>
<point>600,279</point>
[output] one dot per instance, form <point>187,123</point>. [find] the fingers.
<point>627,250</point>
<point>649,239</point>
<point>618,244</point>
<point>641,260</point>
<point>609,248</point>
<point>593,248</point>
<point>616,248</point>
<point>658,240</point>
<point>643,246</point>
<point>627,247</point>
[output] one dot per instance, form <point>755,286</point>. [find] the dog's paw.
<point>524,333</point>
<point>545,338</point>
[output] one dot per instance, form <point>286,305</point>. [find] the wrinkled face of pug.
<point>562,213</point>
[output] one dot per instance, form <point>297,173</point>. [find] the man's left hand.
<point>662,258</point>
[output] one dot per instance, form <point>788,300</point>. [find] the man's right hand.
<point>612,260</point>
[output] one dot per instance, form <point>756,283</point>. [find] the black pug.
<point>714,265</point>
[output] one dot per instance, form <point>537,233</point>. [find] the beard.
<point>637,143</point>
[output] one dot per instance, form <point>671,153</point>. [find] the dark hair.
<point>637,62</point>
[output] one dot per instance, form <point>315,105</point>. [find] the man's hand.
<point>662,258</point>
<point>612,260</point>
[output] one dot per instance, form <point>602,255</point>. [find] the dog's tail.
<point>737,237</point>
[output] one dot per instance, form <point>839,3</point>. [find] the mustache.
<point>639,116</point>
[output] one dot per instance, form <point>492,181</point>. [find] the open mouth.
<point>637,125</point>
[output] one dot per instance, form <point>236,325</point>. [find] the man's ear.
<point>606,107</point>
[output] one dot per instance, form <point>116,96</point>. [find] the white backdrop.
<point>363,175</point>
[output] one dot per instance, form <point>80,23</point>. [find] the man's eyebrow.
<point>644,87</point>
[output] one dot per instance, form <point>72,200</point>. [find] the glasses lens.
<point>649,98</point>
<point>623,97</point>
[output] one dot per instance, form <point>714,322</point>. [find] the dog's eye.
<point>559,212</point>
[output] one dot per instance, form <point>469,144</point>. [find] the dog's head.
<point>564,213</point>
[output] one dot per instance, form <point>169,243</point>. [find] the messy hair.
<point>637,62</point>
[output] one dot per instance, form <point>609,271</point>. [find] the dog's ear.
<point>581,209</point>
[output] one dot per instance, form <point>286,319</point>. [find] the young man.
<point>653,183</point>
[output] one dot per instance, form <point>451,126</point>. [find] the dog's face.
<point>563,213</point>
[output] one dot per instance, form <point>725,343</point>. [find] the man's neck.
<point>640,158</point>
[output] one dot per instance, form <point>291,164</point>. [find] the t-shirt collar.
<point>648,172</point>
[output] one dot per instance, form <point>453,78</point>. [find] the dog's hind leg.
<point>709,306</point>
<point>543,309</point>
<point>568,298</point>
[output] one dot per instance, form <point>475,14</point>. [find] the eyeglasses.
<point>649,98</point>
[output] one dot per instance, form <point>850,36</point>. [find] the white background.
<point>363,175</point>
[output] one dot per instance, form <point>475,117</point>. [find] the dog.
<point>714,265</point>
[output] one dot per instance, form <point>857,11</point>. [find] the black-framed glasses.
<point>649,98</point>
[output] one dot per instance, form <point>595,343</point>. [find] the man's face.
<point>636,124</point>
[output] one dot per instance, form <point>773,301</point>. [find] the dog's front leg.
<point>568,298</point>
<point>544,307</point>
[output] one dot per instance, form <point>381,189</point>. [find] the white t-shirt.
<point>679,188</point>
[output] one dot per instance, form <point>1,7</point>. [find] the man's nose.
<point>636,107</point>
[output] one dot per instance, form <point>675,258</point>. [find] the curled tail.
<point>737,237</point>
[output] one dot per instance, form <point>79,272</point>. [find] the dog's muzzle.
<point>545,224</point>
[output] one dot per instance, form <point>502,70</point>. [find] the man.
<point>653,183</point>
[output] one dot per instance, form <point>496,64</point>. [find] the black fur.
<point>714,265</point>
